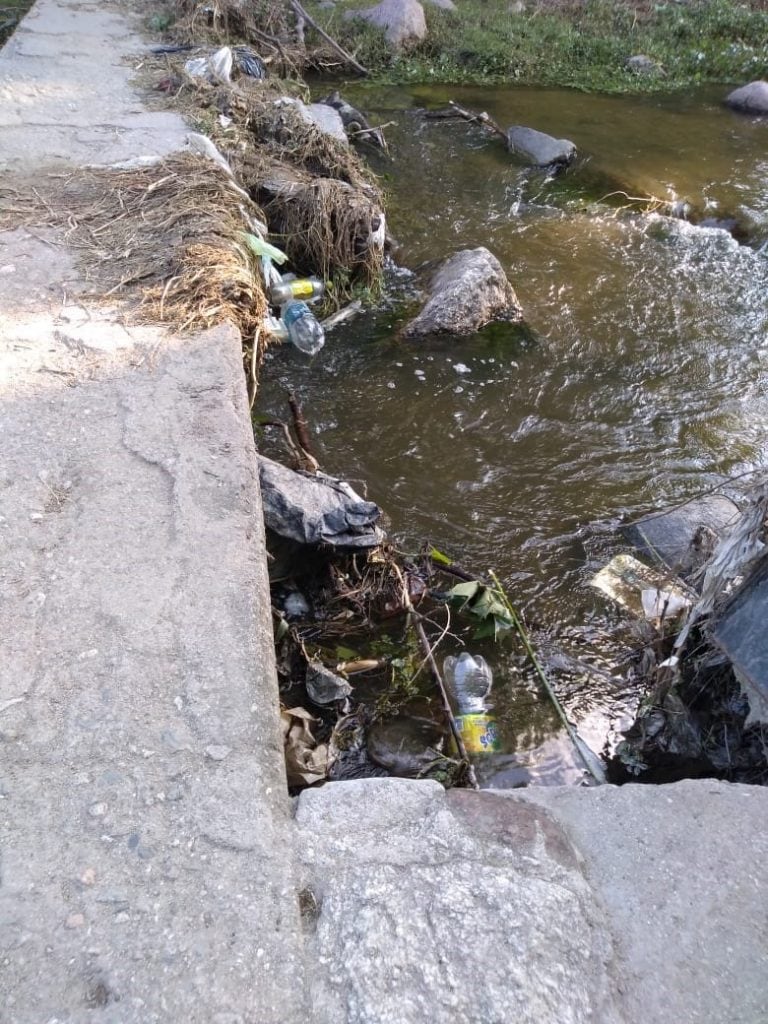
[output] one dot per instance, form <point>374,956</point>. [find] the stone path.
<point>152,868</point>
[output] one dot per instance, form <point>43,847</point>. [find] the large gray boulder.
<point>538,148</point>
<point>752,98</point>
<point>422,905</point>
<point>402,20</point>
<point>466,291</point>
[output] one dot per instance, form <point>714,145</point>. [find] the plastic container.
<point>469,680</point>
<point>304,331</point>
<point>307,288</point>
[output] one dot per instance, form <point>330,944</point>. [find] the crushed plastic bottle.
<point>306,288</point>
<point>469,680</point>
<point>304,330</point>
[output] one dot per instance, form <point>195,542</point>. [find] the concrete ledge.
<point>145,834</point>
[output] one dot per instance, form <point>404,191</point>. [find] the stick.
<point>415,619</point>
<point>301,427</point>
<point>300,31</point>
<point>483,118</point>
<point>342,314</point>
<point>301,13</point>
<point>521,631</point>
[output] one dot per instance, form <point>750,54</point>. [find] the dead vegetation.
<point>177,230</point>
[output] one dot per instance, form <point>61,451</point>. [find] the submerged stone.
<point>466,292</point>
<point>752,98</point>
<point>682,538</point>
<point>538,148</point>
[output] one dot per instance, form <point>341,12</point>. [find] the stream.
<point>639,382</point>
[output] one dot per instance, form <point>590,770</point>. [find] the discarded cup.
<point>469,680</point>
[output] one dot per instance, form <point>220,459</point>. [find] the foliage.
<point>484,604</point>
<point>584,47</point>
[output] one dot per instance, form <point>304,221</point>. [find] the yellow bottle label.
<point>479,733</point>
<point>301,289</point>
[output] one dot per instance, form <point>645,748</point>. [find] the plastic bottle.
<point>469,680</point>
<point>306,288</point>
<point>303,328</point>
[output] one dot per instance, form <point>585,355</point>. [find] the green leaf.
<point>281,630</point>
<point>439,557</point>
<point>346,654</point>
<point>464,592</point>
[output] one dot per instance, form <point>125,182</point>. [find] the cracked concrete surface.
<point>146,871</point>
<point>144,819</point>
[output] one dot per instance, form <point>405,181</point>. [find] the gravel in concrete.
<point>460,907</point>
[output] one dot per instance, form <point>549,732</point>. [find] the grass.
<point>583,46</point>
<point>11,13</point>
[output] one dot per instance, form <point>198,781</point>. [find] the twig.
<point>300,425</point>
<point>254,366</point>
<point>521,632</point>
<point>482,118</point>
<point>342,314</point>
<point>300,30</point>
<point>295,451</point>
<point>435,645</point>
<point>301,13</point>
<point>415,619</point>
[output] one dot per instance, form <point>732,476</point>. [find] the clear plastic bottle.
<point>307,288</point>
<point>469,680</point>
<point>303,328</point>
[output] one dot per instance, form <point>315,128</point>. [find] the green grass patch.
<point>489,41</point>
<point>11,13</point>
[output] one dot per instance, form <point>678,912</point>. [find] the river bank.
<point>586,46</point>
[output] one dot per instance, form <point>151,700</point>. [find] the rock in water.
<point>466,291</point>
<point>752,98</point>
<point>539,148</point>
<point>402,20</point>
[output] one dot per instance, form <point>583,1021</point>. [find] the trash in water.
<point>306,761</point>
<point>626,581</point>
<point>296,605</point>
<point>248,62</point>
<point>683,538</point>
<point>317,509</point>
<point>324,686</point>
<point>469,680</point>
<point>662,604</point>
<point>740,633</point>
<point>290,287</point>
<point>355,123</point>
<point>302,326</point>
<point>410,746</point>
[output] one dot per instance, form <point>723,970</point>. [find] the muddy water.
<point>640,382</point>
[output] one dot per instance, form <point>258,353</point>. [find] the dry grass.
<point>175,233</point>
<point>320,201</point>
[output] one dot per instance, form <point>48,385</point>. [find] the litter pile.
<point>323,206</point>
<point>359,630</point>
<point>199,237</point>
<point>703,667</point>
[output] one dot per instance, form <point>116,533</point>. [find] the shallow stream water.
<point>640,381</point>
